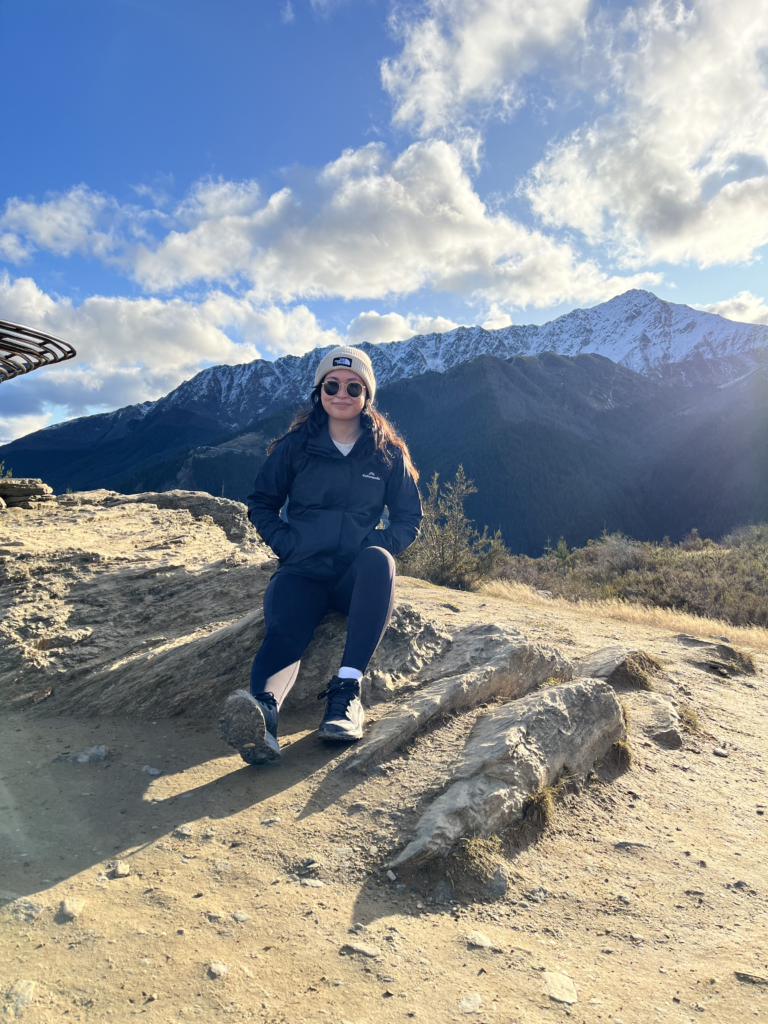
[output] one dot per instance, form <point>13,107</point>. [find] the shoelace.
<point>266,698</point>
<point>340,695</point>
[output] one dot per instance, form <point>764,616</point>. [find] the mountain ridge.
<point>636,329</point>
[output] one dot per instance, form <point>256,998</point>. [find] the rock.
<point>70,909</point>
<point>271,821</point>
<point>559,987</point>
<point>515,670</point>
<point>360,949</point>
<point>477,940</point>
<point>514,751</point>
<point>720,752</point>
<point>470,1003</point>
<point>91,755</point>
<point>231,516</point>
<point>150,770</point>
<point>216,969</point>
<point>392,876</point>
<point>121,869</point>
<point>750,979</point>
<point>718,656</point>
<point>496,885</point>
<point>313,883</point>
<point>2,505</point>
<point>620,667</point>
<point>655,717</point>
<point>19,996</point>
<point>23,487</point>
<point>241,917</point>
<point>183,832</point>
<point>442,892</point>
<point>26,910</point>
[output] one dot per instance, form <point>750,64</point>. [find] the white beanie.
<point>353,359</point>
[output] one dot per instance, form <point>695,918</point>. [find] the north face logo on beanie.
<point>342,361</point>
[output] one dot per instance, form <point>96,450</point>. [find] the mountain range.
<point>578,425</point>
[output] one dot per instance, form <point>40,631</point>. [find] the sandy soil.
<point>647,889</point>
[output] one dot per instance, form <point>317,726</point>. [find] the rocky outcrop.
<point>716,655</point>
<point>24,492</point>
<point>620,667</point>
<point>512,670</point>
<point>231,516</point>
<point>512,753</point>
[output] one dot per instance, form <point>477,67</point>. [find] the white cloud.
<point>377,327</point>
<point>367,226</point>
<point>466,57</point>
<point>134,350</point>
<point>78,221</point>
<point>496,318</point>
<point>678,169</point>
<point>287,14</point>
<point>744,307</point>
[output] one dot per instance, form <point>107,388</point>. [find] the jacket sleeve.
<point>404,504</point>
<point>270,490</point>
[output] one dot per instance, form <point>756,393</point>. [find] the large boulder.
<point>512,753</point>
<point>654,716</point>
<point>231,516</point>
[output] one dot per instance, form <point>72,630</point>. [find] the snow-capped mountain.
<point>636,329</point>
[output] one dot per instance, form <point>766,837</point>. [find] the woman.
<point>332,474</point>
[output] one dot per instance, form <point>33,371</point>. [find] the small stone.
<point>92,755</point>
<point>361,949</point>
<point>216,969</point>
<point>559,987</point>
<point>400,887</point>
<point>241,917</point>
<point>71,909</point>
<point>720,752</point>
<point>121,869</point>
<point>471,1002</point>
<point>477,940</point>
<point>150,770</point>
<point>313,883</point>
<point>20,994</point>
<point>623,899</point>
<point>373,851</point>
<point>271,821</point>
<point>209,834</point>
<point>183,832</point>
<point>392,876</point>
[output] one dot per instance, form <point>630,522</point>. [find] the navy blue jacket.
<point>335,503</point>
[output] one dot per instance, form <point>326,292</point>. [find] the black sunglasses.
<point>354,389</point>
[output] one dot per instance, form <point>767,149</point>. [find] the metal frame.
<point>23,349</point>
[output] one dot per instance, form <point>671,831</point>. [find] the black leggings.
<point>295,605</point>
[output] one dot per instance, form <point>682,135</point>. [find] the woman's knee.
<point>374,558</point>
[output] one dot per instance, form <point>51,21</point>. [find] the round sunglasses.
<point>353,388</point>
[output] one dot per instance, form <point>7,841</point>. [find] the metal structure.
<point>23,349</point>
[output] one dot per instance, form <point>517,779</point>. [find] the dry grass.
<point>621,752</point>
<point>689,718</point>
<point>637,614</point>
<point>541,808</point>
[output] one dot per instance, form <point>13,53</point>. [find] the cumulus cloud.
<point>376,327</point>
<point>79,221</point>
<point>134,350</point>
<point>678,169</point>
<point>744,307</point>
<point>496,318</point>
<point>367,226</point>
<point>466,57</point>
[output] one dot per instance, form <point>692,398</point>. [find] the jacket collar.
<point>323,445</point>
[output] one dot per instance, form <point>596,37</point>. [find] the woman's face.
<point>340,406</point>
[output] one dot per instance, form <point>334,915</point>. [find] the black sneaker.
<point>344,715</point>
<point>249,724</point>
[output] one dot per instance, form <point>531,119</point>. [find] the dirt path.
<point>648,889</point>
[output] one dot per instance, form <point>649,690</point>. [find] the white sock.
<point>349,673</point>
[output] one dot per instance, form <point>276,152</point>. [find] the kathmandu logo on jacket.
<point>370,476</point>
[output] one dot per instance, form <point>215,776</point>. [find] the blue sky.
<point>189,182</point>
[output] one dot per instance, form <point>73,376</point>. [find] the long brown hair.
<point>383,435</point>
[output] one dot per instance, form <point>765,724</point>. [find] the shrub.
<point>449,551</point>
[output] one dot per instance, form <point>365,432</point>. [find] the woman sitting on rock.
<point>332,474</point>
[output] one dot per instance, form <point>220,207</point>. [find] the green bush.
<point>5,474</point>
<point>449,550</point>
